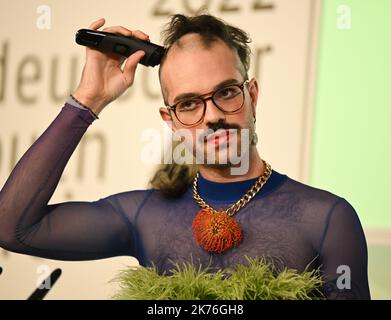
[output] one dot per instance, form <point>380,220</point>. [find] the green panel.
<point>351,152</point>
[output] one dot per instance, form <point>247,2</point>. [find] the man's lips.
<point>218,136</point>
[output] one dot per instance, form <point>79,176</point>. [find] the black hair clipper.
<point>124,46</point>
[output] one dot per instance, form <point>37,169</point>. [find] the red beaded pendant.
<point>216,232</point>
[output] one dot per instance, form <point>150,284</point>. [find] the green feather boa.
<point>255,281</point>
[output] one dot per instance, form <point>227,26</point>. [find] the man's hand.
<point>103,80</point>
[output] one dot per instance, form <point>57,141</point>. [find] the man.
<point>214,217</point>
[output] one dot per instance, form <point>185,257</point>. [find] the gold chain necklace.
<point>217,230</point>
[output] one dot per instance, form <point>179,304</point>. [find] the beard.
<point>223,148</point>
<point>220,146</point>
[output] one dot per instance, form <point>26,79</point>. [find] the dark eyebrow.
<point>197,94</point>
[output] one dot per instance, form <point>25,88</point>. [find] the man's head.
<point>204,55</point>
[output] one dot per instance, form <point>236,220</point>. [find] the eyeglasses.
<point>228,99</point>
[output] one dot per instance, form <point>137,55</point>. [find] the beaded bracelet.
<point>92,112</point>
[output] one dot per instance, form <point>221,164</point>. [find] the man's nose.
<point>212,113</point>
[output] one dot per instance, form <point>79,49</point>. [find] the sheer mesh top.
<point>295,225</point>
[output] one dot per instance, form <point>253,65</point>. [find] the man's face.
<point>192,69</point>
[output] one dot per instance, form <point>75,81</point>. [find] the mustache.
<point>222,125</point>
<point>219,125</point>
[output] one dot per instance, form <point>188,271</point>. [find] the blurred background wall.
<point>351,147</point>
<point>322,116</point>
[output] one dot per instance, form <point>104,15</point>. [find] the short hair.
<point>210,29</point>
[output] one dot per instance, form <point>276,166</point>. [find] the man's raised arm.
<point>70,230</point>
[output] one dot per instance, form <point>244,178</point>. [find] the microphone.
<point>1,270</point>
<point>39,294</point>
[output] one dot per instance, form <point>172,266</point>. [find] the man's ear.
<point>166,116</point>
<point>253,89</point>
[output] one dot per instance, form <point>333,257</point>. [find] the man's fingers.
<point>119,30</point>
<point>126,32</point>
<point>97,24</point>
<point>141,35</point>
<point>131,65</point>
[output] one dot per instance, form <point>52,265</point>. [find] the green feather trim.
<point>255,281</point>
